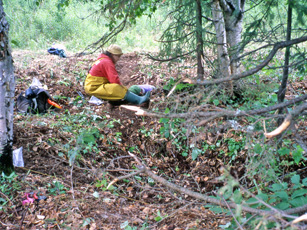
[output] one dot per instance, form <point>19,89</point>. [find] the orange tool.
<point>54,104</point>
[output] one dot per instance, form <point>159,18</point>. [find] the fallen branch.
<point>286,123</point>
<point>301,218</point>
<point>230,114</point>
<point>216,114</point>
<point>273,212</point>
<point>202,196</point>
<point>123,177</point>
<point>233,215</point>
<point>138,111</point>
<point>281,128</point>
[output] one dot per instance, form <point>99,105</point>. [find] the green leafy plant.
<point>145,132</point>
<point>297,154</point>
<point>56,188</point>
<point>282,196</point>
<point>87,221</point>
<point>126,226</point>
<point>170,84</point>
<point>159,216</point>
<point>78,101</point>
<point>195,153</point>
<point>165,129</point>
<point>111,123</point>
<point>8,186</point>
<point>174,130</point>
<point>234,146</point>
<point>118,136</point>
<point>102,184</point>
<point>86,142</point>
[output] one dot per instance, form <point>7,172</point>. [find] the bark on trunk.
<point>223,56</point>
<point>283,86</point>
<point>7,88</point>
<point>233,14</point>
<point>199,40</point>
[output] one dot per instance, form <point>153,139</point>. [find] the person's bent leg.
<point>135,99</point>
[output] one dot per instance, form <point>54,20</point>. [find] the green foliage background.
<point>38,26</point>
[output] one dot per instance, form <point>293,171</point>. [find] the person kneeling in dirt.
<point>103,82</point>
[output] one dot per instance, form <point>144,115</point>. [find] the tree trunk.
<point>199,40</point>
<point>283,86</point>
<point>223,56</point>
<point>233,14</point>
<point>7,88</point>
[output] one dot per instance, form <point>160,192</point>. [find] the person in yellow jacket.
<point>103,82</point>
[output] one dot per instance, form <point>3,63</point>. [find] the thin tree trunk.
<point>283,86</point>
<point>7,88</point>
<point>199,40</point>
<point>223,56</point>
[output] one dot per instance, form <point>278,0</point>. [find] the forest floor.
<point>76,195</point>
<point>138,203</point>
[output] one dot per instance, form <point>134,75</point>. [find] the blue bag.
<point>57,51</point>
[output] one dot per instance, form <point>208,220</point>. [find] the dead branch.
<point>123,177</point>
<point>301,218</point>
<point>209,115</point>
<point>8,199</point>
<point>290,65</point>
<point>297,111</point>
<point>273,212</point>
<point>233,215</point>
<point>201,196</point>
<point>296,210</point>
<point>281,128</point>
<point>105,38</point>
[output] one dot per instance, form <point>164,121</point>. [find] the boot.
<point>135,99</point>
<point>114,104</point>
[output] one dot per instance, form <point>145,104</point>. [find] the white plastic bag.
<point>18,158</point>
<point>37,84</point>
<point>96,101</point>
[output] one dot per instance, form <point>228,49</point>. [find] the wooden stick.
<point>281,128</point>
